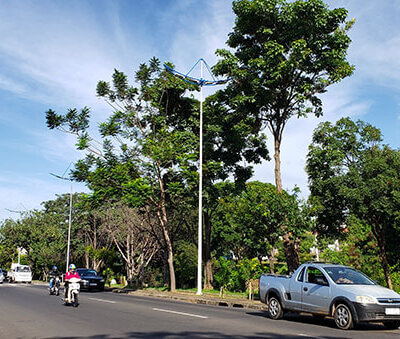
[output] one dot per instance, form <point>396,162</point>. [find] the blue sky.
<point>52,53</point>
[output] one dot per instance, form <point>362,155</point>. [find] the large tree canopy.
<point>351,173</point>
<point>147,156</point>
<point>284,54</point>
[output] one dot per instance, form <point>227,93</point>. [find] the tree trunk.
<point>86,259</point>
<point>290,247</point>
<point>170,255</point>
<point>163,218</point>
<point>129,274</point>
<point>171,268</point>
<point>166,270</point>
<point>277,159</point>
<point>272,260</point>
<point>380,237</point>
<point>385,266</point>
<point>208,274</point>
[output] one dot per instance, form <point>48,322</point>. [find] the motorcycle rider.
<point>72,273</point>
<point>54,273</point>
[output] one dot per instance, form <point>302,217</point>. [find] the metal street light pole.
<point>69,225</point>
<point>199,82</point>
<point>200,227</point>
<point>69,219</point>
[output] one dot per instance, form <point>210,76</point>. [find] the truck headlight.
<point>365,299</point>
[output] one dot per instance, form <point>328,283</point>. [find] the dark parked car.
<point>4,273</point>
<point>91,280</point>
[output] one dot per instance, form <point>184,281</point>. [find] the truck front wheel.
<point>343,317</point>
<point>275,308</point>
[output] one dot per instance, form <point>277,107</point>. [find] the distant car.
<point>3,272</point>
<point>19,273</point>
<point>1,276</point>
<point>90,279</point>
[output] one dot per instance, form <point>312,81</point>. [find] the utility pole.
<point>69,219</point>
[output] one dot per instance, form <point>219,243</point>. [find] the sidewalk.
<point>205,299</point>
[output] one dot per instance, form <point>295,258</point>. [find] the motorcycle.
<point>73,292</point>
<point>55,286</point>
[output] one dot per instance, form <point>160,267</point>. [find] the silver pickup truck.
<point>325,289</point>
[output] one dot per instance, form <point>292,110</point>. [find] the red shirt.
<point>70,275</point>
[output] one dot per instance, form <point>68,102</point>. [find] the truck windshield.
<point>347,276</point>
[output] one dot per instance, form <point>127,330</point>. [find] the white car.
<point>20,273</point>
<point>1,276</point>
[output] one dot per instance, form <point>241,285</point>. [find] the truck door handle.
<point>305,289</point>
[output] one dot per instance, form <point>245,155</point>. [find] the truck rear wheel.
<point>343,317</point>
<point>275,308</point>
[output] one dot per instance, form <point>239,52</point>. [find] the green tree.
<point>230,150</point>
<point>156,165</point>
<point>283,55</point>
<point>254,220</point>
<point>186,263</point>
<point>351,173</point>
<point>358,248</point>
<point>43,234</point>
<point>148,152</point>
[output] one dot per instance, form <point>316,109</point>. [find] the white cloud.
<point>196,38</point>
<point>61,59</point>
<point>26,193</point>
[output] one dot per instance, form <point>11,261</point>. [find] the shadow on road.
<point>194,334</point>
<point>326,322</point>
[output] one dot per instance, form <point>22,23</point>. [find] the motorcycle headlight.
<point>365,299</point>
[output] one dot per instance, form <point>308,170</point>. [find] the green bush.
<point>225,274</point>
<point>185,261</point>
<point>153,276</point>
<point>233,276</point>
<point>109,275</point>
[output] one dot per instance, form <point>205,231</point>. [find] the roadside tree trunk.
<point>291,246</point>
<point>380,237</point>
<point>272,260</point>
<point>208,274</point>
<point>163,219</point>
<point>133,238</point>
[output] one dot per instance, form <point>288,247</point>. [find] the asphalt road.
<point>27,311</point>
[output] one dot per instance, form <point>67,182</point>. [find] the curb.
<point>201,300</point>
<point>189,298</point>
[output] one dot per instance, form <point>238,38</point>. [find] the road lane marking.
<point>180,313</point>
<point>104,301</point>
